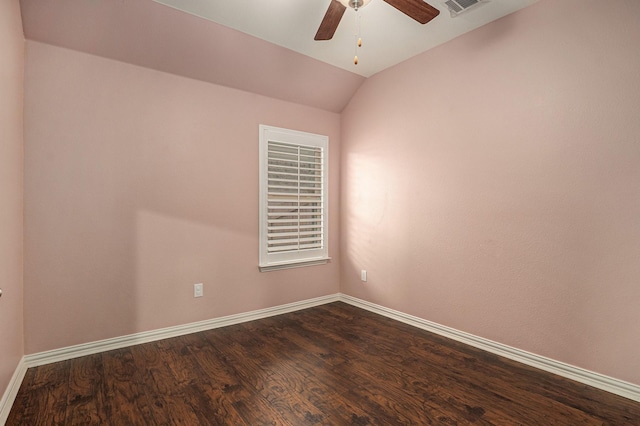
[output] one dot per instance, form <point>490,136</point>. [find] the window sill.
<point>293,264</point>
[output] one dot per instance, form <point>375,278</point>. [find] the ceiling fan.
<point>416,9</point>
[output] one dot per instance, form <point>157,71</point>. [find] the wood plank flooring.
<point>330,365</point>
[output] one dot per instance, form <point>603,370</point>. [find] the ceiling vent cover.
<point>456,7</point>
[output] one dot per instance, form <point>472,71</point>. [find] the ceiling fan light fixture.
<point>355,4</point>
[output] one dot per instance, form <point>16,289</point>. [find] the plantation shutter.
<point>295,197</point>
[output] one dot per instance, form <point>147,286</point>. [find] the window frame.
<point>301,257</point>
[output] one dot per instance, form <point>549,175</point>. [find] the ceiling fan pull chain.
<point>358,21</point>
<point>357,37</point>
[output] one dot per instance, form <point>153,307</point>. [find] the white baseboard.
<point>597,380</point>
<point>84,349</point>
<point>12,391</point>
<point>609,384</point>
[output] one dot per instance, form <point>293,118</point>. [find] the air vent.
<point>456,7</point>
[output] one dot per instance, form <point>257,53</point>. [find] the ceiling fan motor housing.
<point>354,4</point>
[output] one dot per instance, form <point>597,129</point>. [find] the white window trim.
<point>292,259</point>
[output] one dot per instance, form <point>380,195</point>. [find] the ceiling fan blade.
<point>416,9</point>
<point>330,21</point>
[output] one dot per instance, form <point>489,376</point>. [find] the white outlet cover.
<point>198,290</point>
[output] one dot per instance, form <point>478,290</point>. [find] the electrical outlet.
<point>363,275</point>
<point>198,290</point>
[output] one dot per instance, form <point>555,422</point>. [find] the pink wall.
<point>11,189</point>
<point>493,184</point>
<point>139,184</point>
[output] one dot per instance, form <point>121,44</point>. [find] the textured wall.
<point>493,184</point>
<point>11,189</point>
<point>139,184</point>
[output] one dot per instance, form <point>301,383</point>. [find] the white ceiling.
<point>389,36</point>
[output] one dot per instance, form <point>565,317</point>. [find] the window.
<point>293,198</point>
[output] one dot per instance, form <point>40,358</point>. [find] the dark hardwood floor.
<point>331,365</point>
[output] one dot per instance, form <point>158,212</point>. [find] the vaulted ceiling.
<point>265,47</point>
